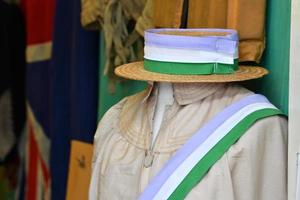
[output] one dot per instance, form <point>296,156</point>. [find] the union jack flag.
<point>39,17</point>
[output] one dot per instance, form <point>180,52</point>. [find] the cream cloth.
<point>253,168</point>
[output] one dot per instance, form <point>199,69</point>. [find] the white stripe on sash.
<point>182,171</point>
<point>187,55</point>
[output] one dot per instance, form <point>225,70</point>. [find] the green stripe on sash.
<point>202,167</point>
<point>189,68</point>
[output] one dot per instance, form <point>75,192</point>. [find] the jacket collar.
<point>186,93</point>
<point>137,112</point>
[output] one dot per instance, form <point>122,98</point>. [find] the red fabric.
<point>39,16</point>
<point>32,167</point>
<point>46,174</point>
<point>35,164</point>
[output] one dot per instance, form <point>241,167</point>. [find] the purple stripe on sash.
<point>197,139</point>
<point>222,44</point>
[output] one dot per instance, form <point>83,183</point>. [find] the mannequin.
<point>165,98</point>
<point>204,145</point>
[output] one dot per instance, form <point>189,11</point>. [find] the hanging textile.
<point>61,92</point>
<point>168,13</point>
<point>246,16</point>
<point>94,12</point>
<point>123,23</point>
<point>74,89</point>
<point>122,34</point>
<point>39,24</point>
<point>12,98</point>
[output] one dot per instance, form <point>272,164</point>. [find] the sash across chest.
<point>193,160</point>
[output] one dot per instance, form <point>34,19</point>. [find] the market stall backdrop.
<point>63,99</point>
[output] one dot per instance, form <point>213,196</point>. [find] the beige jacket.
<point>255,168</point>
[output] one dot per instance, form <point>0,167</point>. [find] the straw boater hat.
<point>190,55</point>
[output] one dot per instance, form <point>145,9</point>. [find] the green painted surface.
<point>123,89</point>
<point>276,56</point>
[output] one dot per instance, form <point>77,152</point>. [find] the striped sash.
<point>193,160</point>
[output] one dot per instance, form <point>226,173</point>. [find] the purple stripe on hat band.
<point>197,139</point>
<point>222,44</point>
<point>232,34</point>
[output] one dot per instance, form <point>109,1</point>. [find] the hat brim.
<point>136,71</point>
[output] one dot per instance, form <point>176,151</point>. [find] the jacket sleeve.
<point>104,129</point>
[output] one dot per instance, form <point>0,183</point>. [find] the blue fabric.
<point>74,70</point>
<point>38,92</point>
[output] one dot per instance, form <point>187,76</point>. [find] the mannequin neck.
<point>165,93</point>
<point>164,98</point>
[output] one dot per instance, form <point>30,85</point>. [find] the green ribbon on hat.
<point>175,68</point>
